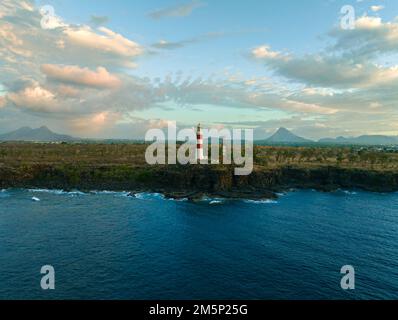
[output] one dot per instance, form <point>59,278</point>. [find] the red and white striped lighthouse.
<point>199,143</point>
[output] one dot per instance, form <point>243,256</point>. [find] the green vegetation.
<point>125,156</point>
<point>123,167</point>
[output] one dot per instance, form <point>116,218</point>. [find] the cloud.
<point>65,71</point>
<point>349,78</point>
<point>330,71</point>
<point>99,20</point>
<point>35,98</point>
<point>370,38</point>
<point>22,37</point>
<point>377,8</point>
<point>2,102</point>
<point>10,7</point>
<point>49,19</point>
<point>265,52</point>
<point>253,94</point>
<point>78,77</point>
<point>104,44</point>
<point>169,45</point>
<point>100,78</point>
<point>95,123</point>
<point>182,10</point>
<point>349,63</point>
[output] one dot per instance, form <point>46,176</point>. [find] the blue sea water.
<point>106,245</point>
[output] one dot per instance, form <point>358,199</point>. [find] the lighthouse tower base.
<point>199,154</point>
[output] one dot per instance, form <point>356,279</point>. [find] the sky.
<point>115,69</point>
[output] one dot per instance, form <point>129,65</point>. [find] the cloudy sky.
<point>114,69</point>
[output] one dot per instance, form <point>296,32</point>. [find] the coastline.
<point>197,182</point>
<point>122,167</point>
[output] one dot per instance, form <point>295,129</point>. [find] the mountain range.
<point>365,139</point>
<point>284,136</point>
<point>281,136</point>
<point>42,134</point>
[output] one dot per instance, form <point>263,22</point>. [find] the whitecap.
<point>178,200</point>
<point>349,192</point>
<point>53,191</point>
<point>59,192</point>
<point>121,193</point>
<point>75,193</point>
<point>4,193</point>
<point>212,200</point>
<point>216,202</point>
<point>35,199</point>
<point>148,196</point>
<point>267,201</point>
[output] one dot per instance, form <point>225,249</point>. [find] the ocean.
<point>108,245</point>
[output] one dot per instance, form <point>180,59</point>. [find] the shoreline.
<point>191,196</point>
<point>194,183</point>
<point>123,167</point>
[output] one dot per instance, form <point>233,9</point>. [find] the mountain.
<point>285,136</point>
<point>365,140</point>
<point>42,134</point>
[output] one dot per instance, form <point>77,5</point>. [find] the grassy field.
<point>123,167</point>
<point>12,154</point>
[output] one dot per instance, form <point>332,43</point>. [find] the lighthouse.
<point>199,143</point>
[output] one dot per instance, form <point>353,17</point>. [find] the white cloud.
<point>100,78</point>
<point>377,8</point>
<point>35,98</point>
<point>370,38</point>
<point>317,91</point>
<point>107,41</point>
<point>265,52</point>
<point>182,10</point>
<point>77,76</point>
<point>325,70</point>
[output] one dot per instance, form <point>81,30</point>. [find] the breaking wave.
<point>267,201</point>
<point>4,193</point>
<point>115,193</point>
<point>148,196</point>
<point>58,192</point>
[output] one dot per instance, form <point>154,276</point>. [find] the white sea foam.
<point>35,199</point>
<point>54,191</point>
<point>59,192</point>
<point>349,192</point>
<point>267,201</point>
<point>216,202</point>
<point>76,193</point>
<point>178,200</point>
<point>116,193</point>
<point>149,196</point>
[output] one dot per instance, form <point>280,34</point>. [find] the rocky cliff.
<point>195,180</point>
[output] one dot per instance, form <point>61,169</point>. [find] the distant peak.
<point>282,129</point>
<point>24,130</point>
<point>283,135</point>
